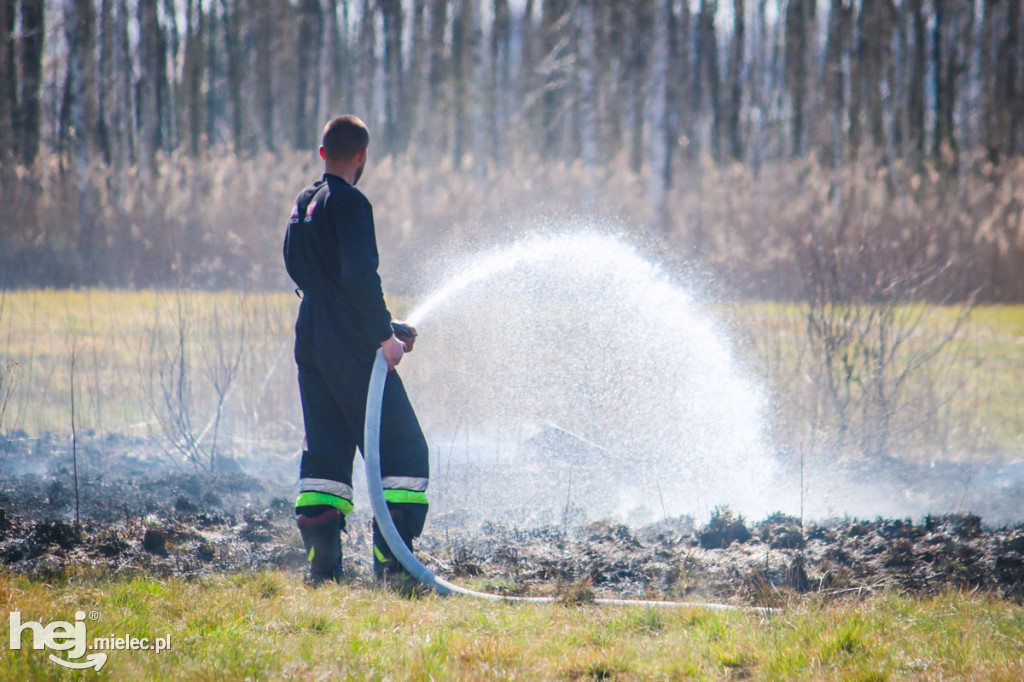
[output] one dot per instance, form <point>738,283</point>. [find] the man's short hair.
<point>344,137</point>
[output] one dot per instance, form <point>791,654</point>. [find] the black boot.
<point>385,565</point>
<point>387,569</point>
<point>321,528</point>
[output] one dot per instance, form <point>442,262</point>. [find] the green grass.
<point>268,625</point>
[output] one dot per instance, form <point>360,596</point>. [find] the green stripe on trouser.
<point>309,499</point>
<point>405,497</point>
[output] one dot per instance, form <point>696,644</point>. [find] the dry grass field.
<point>145,357</point>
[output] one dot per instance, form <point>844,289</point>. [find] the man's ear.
<point>323,154</point>
<point>362,156</point>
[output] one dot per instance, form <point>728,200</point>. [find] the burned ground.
<point>137,518</point>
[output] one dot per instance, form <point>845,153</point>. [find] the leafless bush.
<point>266,389</point>
<point>870,324</point>
<point>73,362</point>
<point>8,382</point>
<point>8,374</point>
<point>221,355</point>
<point>170,370</point>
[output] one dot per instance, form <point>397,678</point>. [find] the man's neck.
<point>343,171</point>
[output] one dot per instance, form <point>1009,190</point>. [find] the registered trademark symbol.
<point>94,615</point>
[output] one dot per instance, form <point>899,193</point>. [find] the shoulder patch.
<point>309,211</point>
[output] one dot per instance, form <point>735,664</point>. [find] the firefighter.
<point>330,251</point>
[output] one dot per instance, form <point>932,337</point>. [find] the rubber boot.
<point>385,565</point>
<point>321,536</point>
<point>387,570</point>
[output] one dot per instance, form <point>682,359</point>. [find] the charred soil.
<point>139,514</point>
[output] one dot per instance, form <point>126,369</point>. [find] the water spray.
<point>375,489</point>
<point>595,358</point>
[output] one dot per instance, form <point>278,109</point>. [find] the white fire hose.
<point>375,488</point>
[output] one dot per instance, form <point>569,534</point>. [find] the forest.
<point>159,142</point>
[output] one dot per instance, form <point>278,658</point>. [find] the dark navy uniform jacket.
<point>330,251</point>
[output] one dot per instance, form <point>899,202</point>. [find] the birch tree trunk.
<point>438,138</point>
<point>480,88</point>
<point>658,123</point>
<point>588,97</point>
<point>944,58</point>
<point>80,31</point>
<point>235,58</point>
<point>33,30</point>
<point>306,71</point>
<point>836,51</point>
<point>125,122</point>
<point>195,29</point>
<point>637,87</point>
<point>106,95</point>
<point>526,83</point>
<point>264,29</point>
<point>8,80</point>
<point>798,32</point>
<point>149,66</point>
<point>708,87</point>
<point>734,81</point>
<point>394,77</point>
<point>1006,106</point>
<point>461,70</point>
<point>501,78</point>
<point>171,135</point>
<point>366,56</point>
<point>416,76</point>
<point>916,101</point>
<point>875,32</point>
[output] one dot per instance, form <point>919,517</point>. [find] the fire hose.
<point>375,489</point>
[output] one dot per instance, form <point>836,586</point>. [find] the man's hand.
<point>393,351</point>
<point>406,334</point>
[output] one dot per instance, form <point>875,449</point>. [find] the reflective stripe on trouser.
<point>405,489</point>
<point>325,485</point>
<point>412,483</point>
<point>316,491</point>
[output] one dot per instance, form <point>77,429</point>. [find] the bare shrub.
<point>8,373</point>
<point>220,352</point>
<point>870,324</point>
<point>8,382</point>
<point>266,392</point>
<point>190,373</point>
<point>73,363</point>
